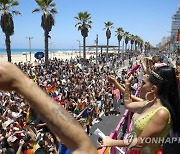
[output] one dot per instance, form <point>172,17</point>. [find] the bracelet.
<point>127,83</point>
<point>127,94</point>
<point>127,86</point>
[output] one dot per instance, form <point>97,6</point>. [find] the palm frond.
<point>80,27</point>
<point>48,2</point>
<point>16,12</point>
<point>53,11</point>
<point>108,24</point>
<point>78,24</point>
<point>52,5</point>
<point>41,3</point>
<point>90,22</point>
<point>35,10</point>
<point>119,30</point>
<point>76,18</point>
<point>15,3</point>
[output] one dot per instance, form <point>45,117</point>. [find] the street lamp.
<point>79,48</point>
<point>29,38</point>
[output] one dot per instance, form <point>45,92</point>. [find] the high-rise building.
<point>175,25</point>
<point>163,41</point>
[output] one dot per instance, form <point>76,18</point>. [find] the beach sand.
<point>59,55</point>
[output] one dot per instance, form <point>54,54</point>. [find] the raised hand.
<point>111,79</point>
<point>141,58</point>
<point>11,77</point>
<point>21,142</point>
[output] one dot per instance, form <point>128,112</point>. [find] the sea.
<point>33,51</point>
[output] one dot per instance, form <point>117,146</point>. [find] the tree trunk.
<point>119,47</point>
<point>141,48</point>
<point>135,45</point>
<point>125,47</point>
<point>131,46</point>
<point>107,49</point>
<point>46,47</point>
<point>84,48</point>
<point>8,47</point>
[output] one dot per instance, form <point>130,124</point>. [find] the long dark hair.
<point>165,79</point>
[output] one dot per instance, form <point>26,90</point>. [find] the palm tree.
<point>140,43</point>
<point>136,38</point>
<point>146,46</point>
<point>132,37</point>
<point>47,20</point>
<point>108,26</point>
<point>127,37</point>
<point>119,34</point>
<point>83,25</point>
<point>7,23</point>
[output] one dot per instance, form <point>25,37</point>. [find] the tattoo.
<point>55,113</point>
<point>64,115</point>
<point>60,113</point>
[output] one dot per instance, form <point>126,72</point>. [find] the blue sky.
<point>149,19</point>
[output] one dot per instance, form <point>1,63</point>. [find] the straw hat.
<point>7,123</point>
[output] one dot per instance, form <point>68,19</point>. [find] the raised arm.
<point>19,151</point>
<point>121,88</point>
<point>142,61</point>
<point>131,102</point>
<point>57,118</point>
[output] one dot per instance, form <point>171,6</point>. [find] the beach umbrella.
<point>39,55</point>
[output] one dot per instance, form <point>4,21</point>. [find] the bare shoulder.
<point>162,114</point>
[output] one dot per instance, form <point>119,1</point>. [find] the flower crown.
<point>156,75</point>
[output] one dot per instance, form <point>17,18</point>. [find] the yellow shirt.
<point>140,124</point>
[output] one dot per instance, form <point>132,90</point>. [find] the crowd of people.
<point>81,88</point>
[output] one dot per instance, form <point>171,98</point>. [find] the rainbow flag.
<point>82,105</point>
<point>32,151</point>
<point>51,89</point>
